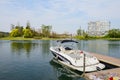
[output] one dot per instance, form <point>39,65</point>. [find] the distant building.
<point>98,28</point>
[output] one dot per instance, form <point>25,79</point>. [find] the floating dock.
<point>107,59</point>
<point>114,72</point>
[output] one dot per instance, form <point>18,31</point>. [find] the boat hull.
<point>65,61</point>
<point>87,69</point>
<point>60,57</point>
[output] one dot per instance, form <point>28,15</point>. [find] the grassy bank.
<point>94,38</point>
<point>22,38</point>
<point>16,38</point>
<point>45,38</point>
<point>111,38</point>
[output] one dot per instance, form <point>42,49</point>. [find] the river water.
<point>32,60</point>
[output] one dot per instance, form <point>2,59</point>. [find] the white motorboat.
<point>75,58</point>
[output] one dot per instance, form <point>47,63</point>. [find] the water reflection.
<point>31,60</point>
<point>110,48</point>
<point>82,45</point>
<point>114,48</point>
<point>45,45</point>
<point>97,46</point>
<point>20,47</point>
<point>63,73</point>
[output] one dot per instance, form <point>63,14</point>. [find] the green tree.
<point>86,35</point>
<point>79,32</point>
<point>46,30</point>
<point>15,33</point>
<point>21,30</point>
<point>113,33</point>
<point>27,33</point>
<point>12,26</point>
<point>54,35</point>
<point>28,25</point>
<point>35,33</point>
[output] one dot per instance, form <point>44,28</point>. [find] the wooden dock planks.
<point>104,75</point>
<point>107,72</point>
<point>107,59</point>
<point>116,70</point>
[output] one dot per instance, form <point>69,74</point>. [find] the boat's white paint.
<point>75,59</point>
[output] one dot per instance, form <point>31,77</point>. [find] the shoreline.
<point>22,38</point>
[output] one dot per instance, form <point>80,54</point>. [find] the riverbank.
<point>16,38</point>
<point>111,38</point>
<point>22,38</point>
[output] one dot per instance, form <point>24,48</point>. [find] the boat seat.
<point>67,48</point>
<point>66,51</point>
<point>61,49</point>
<point>70,51</point>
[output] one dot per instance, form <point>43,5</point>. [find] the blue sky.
<point>63,15</point>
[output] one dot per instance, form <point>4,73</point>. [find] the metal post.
<point>84,55</point>
<point>84,65</point>
<point>71,36</point>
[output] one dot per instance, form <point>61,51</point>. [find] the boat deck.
<point>74,55</point>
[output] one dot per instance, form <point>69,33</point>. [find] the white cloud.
<point>59,13</point>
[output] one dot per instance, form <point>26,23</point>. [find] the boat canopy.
<point>64,41</point>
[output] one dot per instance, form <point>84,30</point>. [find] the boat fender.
<point>81,52</point>
<point>75,61</point>
<point>98,68</point>
<point>56,57</point>
<point>59,49</point>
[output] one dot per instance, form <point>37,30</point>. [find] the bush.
<point>27,33</point>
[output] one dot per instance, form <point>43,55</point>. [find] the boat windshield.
<point>66,41</point>
<point>70,46</point>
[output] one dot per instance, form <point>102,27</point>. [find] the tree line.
<point>29,32</point>
<point>46,31</point>
<point>113,33</point>
<point>4,34</point>
<point>20,31</point>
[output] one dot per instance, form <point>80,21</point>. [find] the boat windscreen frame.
<point>65,41</point>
